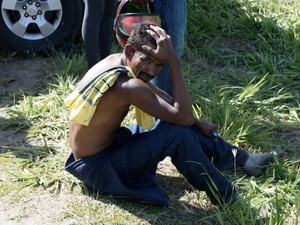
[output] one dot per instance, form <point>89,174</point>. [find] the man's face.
<point>145,66</point>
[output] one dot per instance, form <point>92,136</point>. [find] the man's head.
<point>143,64</point>
<point>140,36</point>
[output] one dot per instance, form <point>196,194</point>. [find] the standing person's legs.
<point>174,18</point>
<point>106,28</point>
<point>93,13</point>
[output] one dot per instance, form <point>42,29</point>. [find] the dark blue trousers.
<point>128,166</point>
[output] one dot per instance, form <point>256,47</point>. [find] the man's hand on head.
<point>164,50</point>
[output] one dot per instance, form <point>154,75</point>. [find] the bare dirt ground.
<point>32,206</point>
<point>17,76</point>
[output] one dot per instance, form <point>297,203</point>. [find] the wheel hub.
<point>32,9</point>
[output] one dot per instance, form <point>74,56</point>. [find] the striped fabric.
<point>82,102</point>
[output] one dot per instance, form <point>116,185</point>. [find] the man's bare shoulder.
<point>108,62</point>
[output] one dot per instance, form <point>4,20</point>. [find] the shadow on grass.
<point>228,44</point>
<point>235,42</point>
<point>19,77</point>
<point>13,139</point>
<point>230,33</point>
<point>179,211</point>
<point>22,77</point>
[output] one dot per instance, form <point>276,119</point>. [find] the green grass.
<point>241,64</point>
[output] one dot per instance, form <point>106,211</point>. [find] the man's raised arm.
<point>165,52</point>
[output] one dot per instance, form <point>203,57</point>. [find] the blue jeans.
<point>174,18</point>
<point>128,166</point>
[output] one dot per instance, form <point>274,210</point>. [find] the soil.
<point>19,76</point>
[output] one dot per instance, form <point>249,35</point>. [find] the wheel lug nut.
<point>34,17</point>
<point>37,4</point>
<point>40,12</point>
<point>26,14</point>
<point>24,7</point>
<point>30,2</point>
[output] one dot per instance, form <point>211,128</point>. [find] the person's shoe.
<point>256,163</point>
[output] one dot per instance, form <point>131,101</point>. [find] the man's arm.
<point>177,109</point>
<point>204,127</point>
<point>165,52</point>
<point>164,95</point>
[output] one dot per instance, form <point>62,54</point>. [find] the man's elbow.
<point>190,120</point>
<point>187,120</point>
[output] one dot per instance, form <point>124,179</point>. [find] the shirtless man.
<point>112,159</point>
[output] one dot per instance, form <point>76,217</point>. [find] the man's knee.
<point>181,132</point>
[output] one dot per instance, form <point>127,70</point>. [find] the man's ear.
<point>129,51</point>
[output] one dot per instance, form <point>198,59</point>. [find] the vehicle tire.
<point>33,25</point>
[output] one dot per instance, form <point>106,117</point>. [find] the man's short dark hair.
<point>139,37</point>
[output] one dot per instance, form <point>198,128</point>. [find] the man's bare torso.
<point>110,112</point>
<point>114,104</point>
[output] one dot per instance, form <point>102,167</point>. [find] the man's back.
<point>110,111</point>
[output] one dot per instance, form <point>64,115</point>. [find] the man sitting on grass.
<point>115,160</point>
